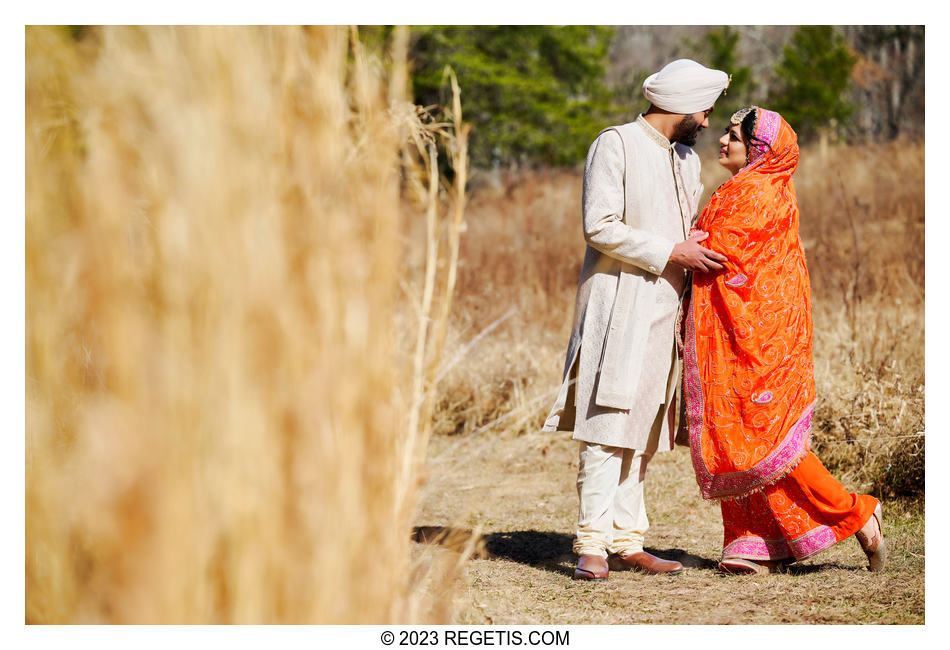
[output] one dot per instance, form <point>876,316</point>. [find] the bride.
<point>748,372</point>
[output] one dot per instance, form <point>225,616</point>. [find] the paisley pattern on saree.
<point>737,280</point>
<point>748,370</point>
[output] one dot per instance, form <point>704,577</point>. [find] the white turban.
<point>685,87</point>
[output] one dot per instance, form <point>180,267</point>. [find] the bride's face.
<point>732,149</point>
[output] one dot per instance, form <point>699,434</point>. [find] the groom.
<point>618,396</point>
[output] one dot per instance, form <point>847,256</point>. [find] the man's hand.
<point>694,257</point>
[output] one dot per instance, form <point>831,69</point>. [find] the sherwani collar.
<point>653,134</point>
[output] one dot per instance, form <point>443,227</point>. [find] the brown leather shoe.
<point>647,563</point>
<point>591,567</point>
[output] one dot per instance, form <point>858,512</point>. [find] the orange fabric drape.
<point>748,371</point>
<point>802,514</point>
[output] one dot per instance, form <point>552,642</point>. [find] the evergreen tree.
<point>814,76</point>
<point>720,47</point>
<point>533,94</point>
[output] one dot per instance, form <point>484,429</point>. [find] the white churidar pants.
<point>612,516</point>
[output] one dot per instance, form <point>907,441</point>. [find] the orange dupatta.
<point>748,371</point>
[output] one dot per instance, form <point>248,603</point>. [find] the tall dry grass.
<point>862,223</point>
<point>863,229</point>
<point>220,425</point>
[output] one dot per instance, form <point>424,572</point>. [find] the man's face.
<point>689,127</point>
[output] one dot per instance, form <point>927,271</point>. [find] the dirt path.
<point>520,493</point>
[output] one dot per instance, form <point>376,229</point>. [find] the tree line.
<point>537,95</point>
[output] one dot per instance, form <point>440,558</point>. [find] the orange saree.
<point>748,372</point>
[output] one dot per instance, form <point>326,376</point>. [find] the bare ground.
<point>518,493</point>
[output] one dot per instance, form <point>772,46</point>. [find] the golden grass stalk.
<point>213,267</point>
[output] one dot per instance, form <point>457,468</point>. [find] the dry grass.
<point>518,492</point>
<point>218,426</point>
<point>863,226</point>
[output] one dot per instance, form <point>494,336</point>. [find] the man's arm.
<point>690,254</point>
<point>605,230</point>
<point>693,256</point>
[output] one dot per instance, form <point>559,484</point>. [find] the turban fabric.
<point>685,87</point>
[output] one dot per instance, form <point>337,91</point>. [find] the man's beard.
<point>686,131</point>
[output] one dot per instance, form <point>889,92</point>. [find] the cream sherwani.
<point>618,395</point>
<point>641,195</point>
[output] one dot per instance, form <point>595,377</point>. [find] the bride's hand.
<point>693,256</point>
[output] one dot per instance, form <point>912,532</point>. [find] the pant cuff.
<point>626,549</point>
<point>589,549</point>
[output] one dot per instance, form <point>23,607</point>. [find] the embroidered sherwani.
<point>621,372</point>
<point>640,196</point>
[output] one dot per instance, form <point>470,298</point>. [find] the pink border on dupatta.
<point>777,464</point>
<point>766,128</point>
<point>758,548</point>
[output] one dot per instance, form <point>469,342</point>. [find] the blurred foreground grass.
<point>220,425</point>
